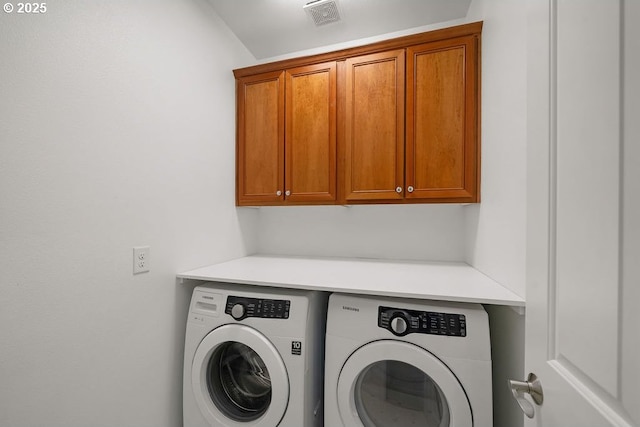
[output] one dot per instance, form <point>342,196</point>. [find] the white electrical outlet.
<point>140,259</point>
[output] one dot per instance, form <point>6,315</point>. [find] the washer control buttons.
<point>240,308</point>
<point>237,311</point>
<point>402,322</point>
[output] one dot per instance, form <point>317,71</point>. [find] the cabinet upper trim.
<point>474,28</point>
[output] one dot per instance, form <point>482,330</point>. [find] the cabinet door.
<point>374,127</point>
<point>442,120</point>
<point>310,141</point>
<point>260,143</point>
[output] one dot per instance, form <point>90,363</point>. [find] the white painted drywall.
<point>116,130</point>
<point>388,232</point>
<point>496,228</point>
<point>507,357</point>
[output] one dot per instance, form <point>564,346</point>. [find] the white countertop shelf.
<point>444,281</point>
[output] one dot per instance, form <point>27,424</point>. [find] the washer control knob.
<point>398,325</point>
<point>237,311</point>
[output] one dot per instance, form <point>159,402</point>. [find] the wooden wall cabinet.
<point>310,135</point>
<point>260,136</point>
<point>374,127</point>
<point>286,137</point>
<point>442,157</point>
<point>393,122</point>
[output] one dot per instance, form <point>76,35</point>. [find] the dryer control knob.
<point>398,325</point>
<point>237,311</point>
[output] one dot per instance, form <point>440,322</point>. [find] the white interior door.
<point>583,257</point>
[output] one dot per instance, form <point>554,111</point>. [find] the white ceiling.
<point>270,28</point>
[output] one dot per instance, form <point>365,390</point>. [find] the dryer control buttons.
<point>398,325</point>
<point>240,308</point>
<point>402,322</point>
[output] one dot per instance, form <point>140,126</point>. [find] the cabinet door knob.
<point>278,193</point>
<point>410,189</point>
<point>398,189</point>
<point>287,193</point>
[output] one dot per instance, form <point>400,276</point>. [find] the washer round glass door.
<point>239,378</point>
<point>391,383</point>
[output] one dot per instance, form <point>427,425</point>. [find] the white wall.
<point>116,130</point>
<point>496,228</point>
<point>416,232</point>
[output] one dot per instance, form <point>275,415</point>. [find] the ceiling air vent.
<point>323,11</point>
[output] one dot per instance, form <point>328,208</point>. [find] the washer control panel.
<point>240,308</point>
<point>403,322</point>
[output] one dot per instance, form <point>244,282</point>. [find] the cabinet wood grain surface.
<point>310,137</point>
<point>442,106</point>
<point>374,126</point>
<point>260,135</point>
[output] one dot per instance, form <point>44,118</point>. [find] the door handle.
<point>533,388</point>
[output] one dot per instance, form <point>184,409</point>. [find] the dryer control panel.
<point>402,322</point>
<point>240,308</point>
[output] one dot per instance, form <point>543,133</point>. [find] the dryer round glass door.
<point>239,378</point>
<point>390,383</point>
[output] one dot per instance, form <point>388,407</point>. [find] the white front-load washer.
<point>397,363</point>
<point>254,357</point>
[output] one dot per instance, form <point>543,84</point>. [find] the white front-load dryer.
<point>398,363</point>
<point>254,357</point>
